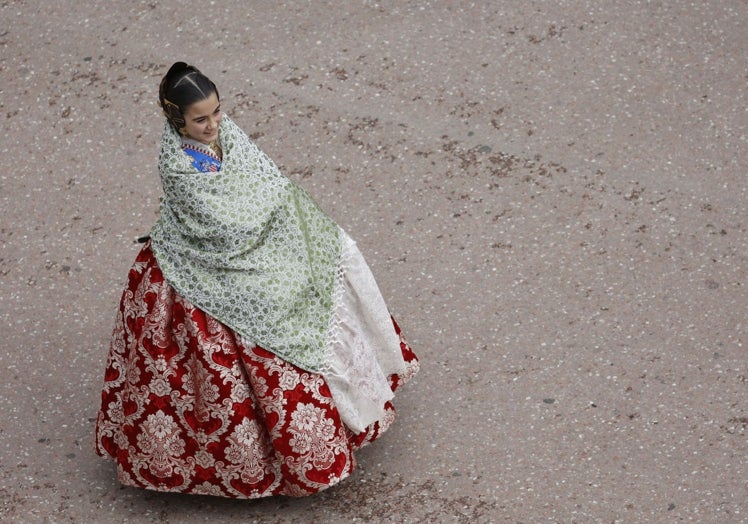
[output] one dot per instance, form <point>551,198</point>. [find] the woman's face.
<point>202,119</point>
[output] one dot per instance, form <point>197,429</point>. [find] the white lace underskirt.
<point>364,347</point>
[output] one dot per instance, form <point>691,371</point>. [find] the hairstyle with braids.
<point>182,86</point>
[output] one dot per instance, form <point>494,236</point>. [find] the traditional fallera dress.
<point>252,352</point>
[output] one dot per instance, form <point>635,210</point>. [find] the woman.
<point>253,352</point>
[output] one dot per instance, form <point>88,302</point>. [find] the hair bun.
<point>178,67</point>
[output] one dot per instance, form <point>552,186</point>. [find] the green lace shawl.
<point>249,247</point>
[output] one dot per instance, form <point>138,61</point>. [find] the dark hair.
<point>182,86</point>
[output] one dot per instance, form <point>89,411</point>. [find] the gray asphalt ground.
<point>551,194</point>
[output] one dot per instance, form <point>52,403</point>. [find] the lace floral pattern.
<point>248,246</point>
<point>188,407</point>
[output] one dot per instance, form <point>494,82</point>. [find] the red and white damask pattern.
<point>186,407</point>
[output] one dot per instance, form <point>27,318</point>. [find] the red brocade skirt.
<point>186,407</point>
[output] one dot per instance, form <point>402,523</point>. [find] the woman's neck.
<point>212,149</point>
